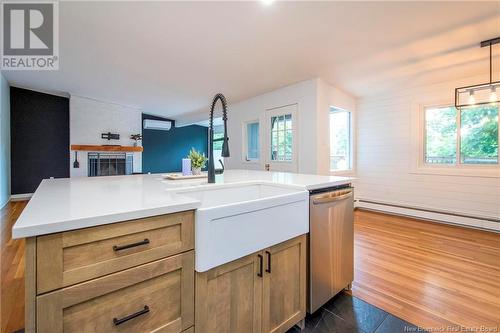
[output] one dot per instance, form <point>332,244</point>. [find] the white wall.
<point>314,98</point>
<point>302,93</point>
<point>89,118</point>
<point>4,141</point>
<point>385,158</point>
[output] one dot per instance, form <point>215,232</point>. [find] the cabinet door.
<point>229,297</point>
<point>284,285</point>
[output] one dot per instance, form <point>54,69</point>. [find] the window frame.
<point>244,131</point>
<point>419,136</point>
<point>351,140</point>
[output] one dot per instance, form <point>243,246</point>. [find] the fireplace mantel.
<point>107,148</point>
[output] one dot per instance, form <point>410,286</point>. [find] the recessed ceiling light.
<point>267,2</point>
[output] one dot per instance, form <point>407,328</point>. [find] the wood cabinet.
<point>133,276</point>
<point>264,292</point>
<point>284,285</point>
<point>154,297</point>
<point>67,258</point>
<point>228,297</point>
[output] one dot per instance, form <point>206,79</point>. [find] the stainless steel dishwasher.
<point>331,244</point>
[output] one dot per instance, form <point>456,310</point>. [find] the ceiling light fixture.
<point>472,99</point>
<point>493,94</point>
<point>267,2</point>
<point>479,94</point>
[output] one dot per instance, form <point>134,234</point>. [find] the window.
<point>281,138</point>
<point>252,141</point>
<point>218,140</point>
<point>340,140</point>
<point>468,136</point>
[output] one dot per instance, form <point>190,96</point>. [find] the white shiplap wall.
<point>385,158</point>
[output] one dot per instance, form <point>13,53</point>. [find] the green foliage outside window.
<point>478,135</point>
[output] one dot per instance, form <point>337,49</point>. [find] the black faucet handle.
<point>220,171</point>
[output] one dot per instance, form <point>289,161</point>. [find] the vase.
<point>196,171</point>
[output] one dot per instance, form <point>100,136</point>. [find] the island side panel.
<point>30,286</point>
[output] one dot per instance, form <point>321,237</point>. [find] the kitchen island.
<point>81,264</point>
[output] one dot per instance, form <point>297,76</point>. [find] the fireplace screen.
<point>110,164</point>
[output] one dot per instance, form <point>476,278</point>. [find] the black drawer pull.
<point>268,269</point>
<point>261,260</point>
<point>128,246</point>
<point>117,321</point>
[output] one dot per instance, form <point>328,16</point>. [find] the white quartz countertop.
<point>75,203</point>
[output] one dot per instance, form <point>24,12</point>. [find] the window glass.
<point>218,140</point>
<point>479,135</point>
<point>253,141</point>
<point>441,135</point>
<point>475,128</point>
<point>340,139</point>
<point>281,138</point>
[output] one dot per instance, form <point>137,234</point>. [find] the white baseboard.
<point>21,197</point>
<point>425,214</point>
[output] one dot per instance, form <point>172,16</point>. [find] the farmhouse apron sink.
<point>235,220</point>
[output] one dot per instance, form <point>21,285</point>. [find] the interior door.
<point>281,153</point>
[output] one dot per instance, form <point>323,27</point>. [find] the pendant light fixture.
<point>479,94</point>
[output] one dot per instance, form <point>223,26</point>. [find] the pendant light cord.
<point>491,64</point>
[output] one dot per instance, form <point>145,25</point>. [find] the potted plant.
<point>136,137</point>
<point>198,161</point>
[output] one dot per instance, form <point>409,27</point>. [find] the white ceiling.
<point>171,57</point>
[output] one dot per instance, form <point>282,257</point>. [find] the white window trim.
<point>352,148</point>
<point>418,149</point>
<point>244,130</point>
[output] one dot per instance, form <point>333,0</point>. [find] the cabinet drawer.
<point>68,258</point>
<point>154,297</point>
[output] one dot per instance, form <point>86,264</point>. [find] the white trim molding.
<point>21,197</point>
<point>477,222</point>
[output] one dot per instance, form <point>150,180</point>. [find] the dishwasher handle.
<point>328,198</point>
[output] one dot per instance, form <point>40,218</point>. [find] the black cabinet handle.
<point>128,246</point>
<point>117,321</point>
<point>261,261</point>
<point>268,269</point>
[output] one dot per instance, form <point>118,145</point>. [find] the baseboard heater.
<point>473,221</point>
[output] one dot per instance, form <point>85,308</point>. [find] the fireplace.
<point>110,164</point>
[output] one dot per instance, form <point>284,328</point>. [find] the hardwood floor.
<point>12,270</point>
<point>431,275</point>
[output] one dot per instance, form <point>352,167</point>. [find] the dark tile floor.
<point>346,314</point>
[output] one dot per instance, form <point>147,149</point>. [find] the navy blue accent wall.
<point>164,150</point>
<point>39,127</point>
